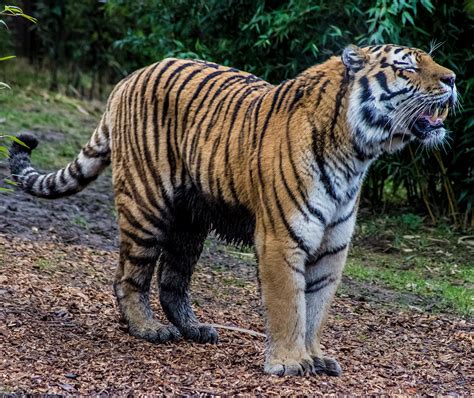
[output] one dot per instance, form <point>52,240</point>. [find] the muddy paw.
<point>327,366</point>
<point>202,334</point>
<point>290,368</point>
<point>332,367</point>
<point>156,332</point>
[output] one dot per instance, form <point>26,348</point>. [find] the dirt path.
<point>60,334</point>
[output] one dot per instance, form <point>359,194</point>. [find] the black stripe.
<point>329,188</point>
<point>135,284</point>
<point>366,92</point>
<point>138,151</point>
<point>217,140</point>
<point>222,89</point>
<point>174,135</point>
<point>292,267</point>
<point>247,121</point>
<point>174,75</point>
<point>289,84</point>
<point>376,120</point>
<point>160,225</point>
<point>317,281</point>
<point>142,242</point>
<point>342,219</point>
<point>337,106</point>
<point>316,288</point>
<point>385,97</point>
<point>144,260</point>
<point>228,167</point>
<point>314,259</point>
<point>292,234</point>
<point>156,136</point>
<point>197,92</point>
<point>143,144</point>
<point>361,153</point>
<point>322,90</point>
<point>269,114</point>
<point>255,120</point>
<point>382,80</point>
<point>137,159</point>
<point>298,95</point>
<point>224,84</point>
<point>287,188</point>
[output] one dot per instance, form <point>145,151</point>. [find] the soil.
<point>60,332</point>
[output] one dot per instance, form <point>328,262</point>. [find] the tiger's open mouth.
<point>430,122</point>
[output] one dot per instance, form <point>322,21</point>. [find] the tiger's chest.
<point>335,198</point>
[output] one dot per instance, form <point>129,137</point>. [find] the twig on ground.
<point>241,330</point>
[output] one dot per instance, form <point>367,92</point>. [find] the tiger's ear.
<point>354,58</point>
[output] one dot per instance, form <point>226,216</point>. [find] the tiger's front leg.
<point>282,279</point>
<point>323,274</point>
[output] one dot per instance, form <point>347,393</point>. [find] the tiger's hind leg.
<point>139,251</point>
<point>177,263</point>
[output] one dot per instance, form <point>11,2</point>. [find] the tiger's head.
<point>399,94</point>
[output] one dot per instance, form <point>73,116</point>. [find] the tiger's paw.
<point>201,333</point>
<point>327,365</point>
<point>290,367</point>
<point>155,332</point>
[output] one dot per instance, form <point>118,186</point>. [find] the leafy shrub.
<point>276,40</point>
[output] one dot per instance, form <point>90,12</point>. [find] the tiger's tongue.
<point>433,119</point>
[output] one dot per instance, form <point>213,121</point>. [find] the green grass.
<point>44,264</point>
<point>28,106</point>
<point>32,111</point>
<point>400,252</point>
<point>80,221</point>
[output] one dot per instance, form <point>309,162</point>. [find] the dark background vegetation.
<point>88,45</point>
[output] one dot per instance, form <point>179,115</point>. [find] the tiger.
<point>197,147</point>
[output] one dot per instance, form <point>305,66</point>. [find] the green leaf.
<point>408,17</point>
<point>10,182</point>
<point>13,138</point>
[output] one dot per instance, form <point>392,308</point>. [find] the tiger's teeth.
<point>444,114</point>
<point>434,118</point>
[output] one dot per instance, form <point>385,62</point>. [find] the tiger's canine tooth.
<point>444,114</point>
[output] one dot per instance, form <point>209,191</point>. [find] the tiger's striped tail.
<point>93,158</point>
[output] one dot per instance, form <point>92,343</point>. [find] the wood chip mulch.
<point>60,334</point>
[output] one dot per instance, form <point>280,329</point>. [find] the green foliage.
<point>77,37</point>
<point>97,42</point>
<point>14,12</point>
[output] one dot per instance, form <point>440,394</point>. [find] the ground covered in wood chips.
<point>60,334</point>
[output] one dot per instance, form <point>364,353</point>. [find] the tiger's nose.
<point>448,79</point>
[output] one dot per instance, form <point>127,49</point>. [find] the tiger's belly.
<point>234,223</point>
